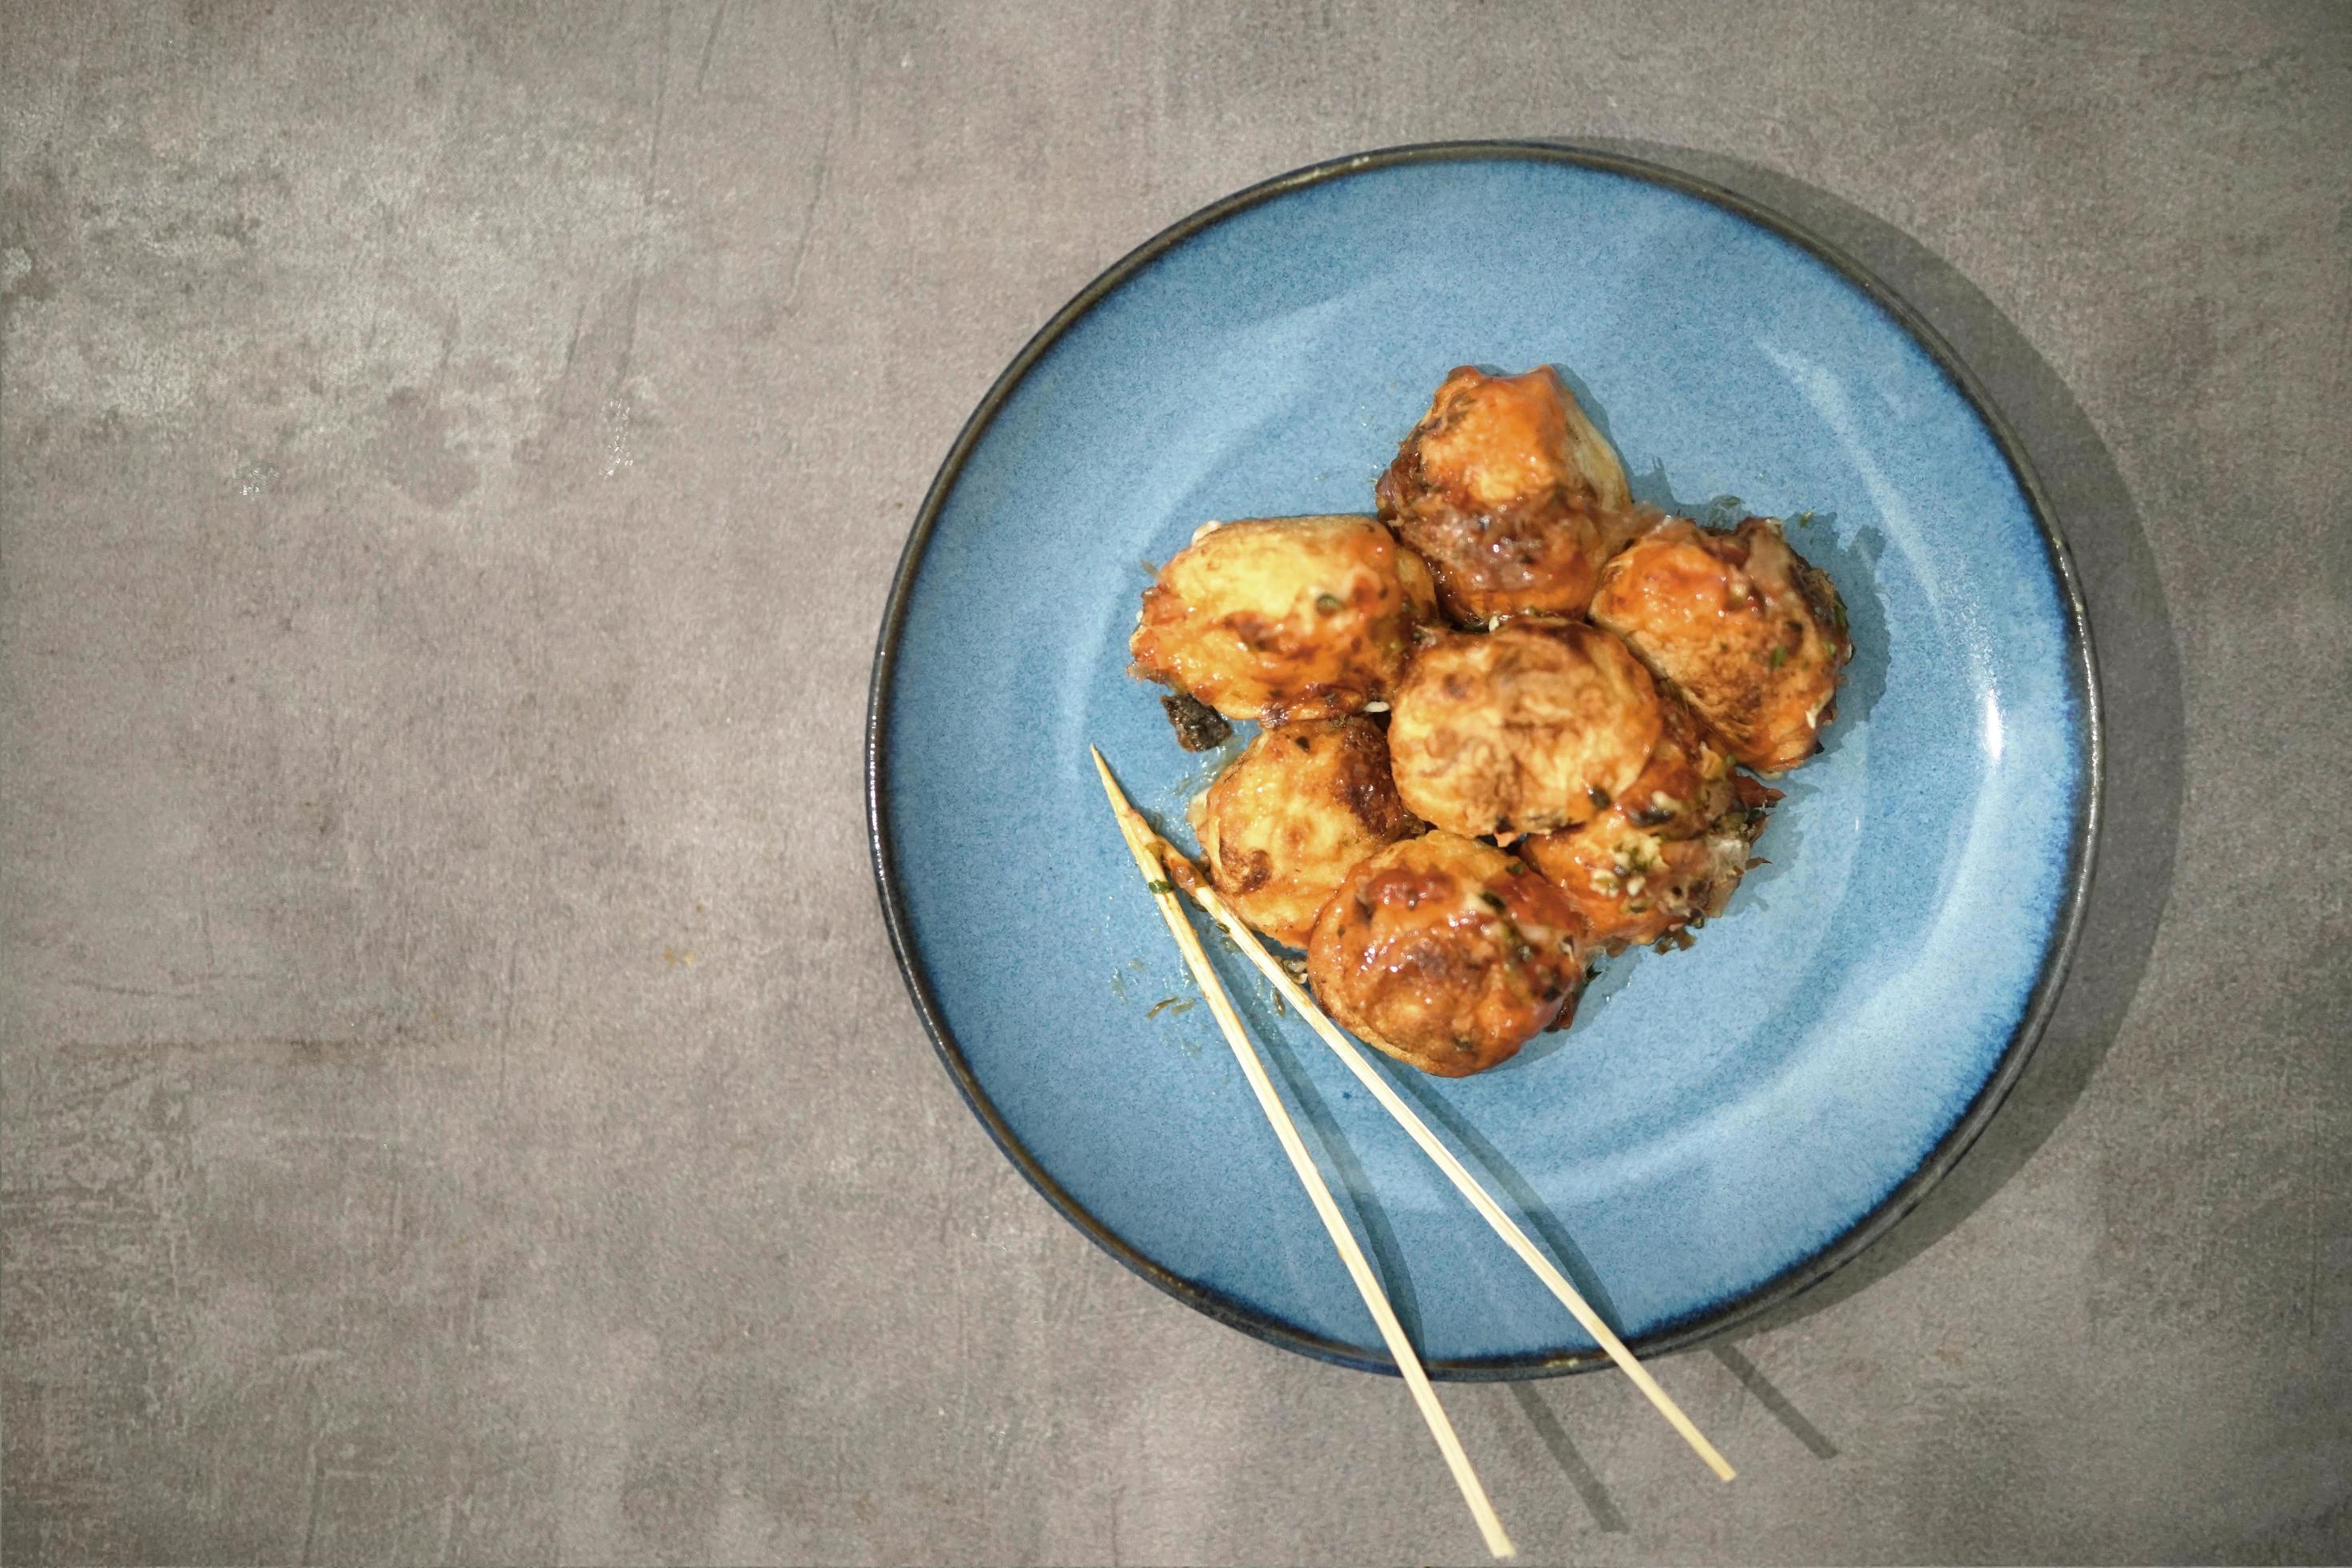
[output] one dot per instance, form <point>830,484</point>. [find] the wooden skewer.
<point>1463,1182</point>
<point>1143,842</point>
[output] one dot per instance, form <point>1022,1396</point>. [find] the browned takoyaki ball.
<point>1283,618</point>
<point>1446,954</point>
<point>1534,726</point>
<point>1286,823</point>
<point>1633,885</point>
<point>1510,493</point>
<point>1752,634</point>
<point>1687,781</point>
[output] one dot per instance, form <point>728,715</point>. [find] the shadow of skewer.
<point>1774,1401</point>
<point>1351,1185</point>
<point>1502,1180</point>
<point>1604,1510</point>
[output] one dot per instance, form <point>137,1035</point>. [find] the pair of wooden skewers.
<point>1165,868</point>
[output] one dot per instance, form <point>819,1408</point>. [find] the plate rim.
<point>2057,954</point>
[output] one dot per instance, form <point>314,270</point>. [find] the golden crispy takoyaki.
<point>1687,781</point>
<point>1286,823</point>
<point>1446,954</point>
<point>1284,618</point>
<point>1633,885</point>
<point>1510,493</point>
<point>1753,635</point>
<point>1532,727</point>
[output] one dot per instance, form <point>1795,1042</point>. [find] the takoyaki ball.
<point>1446,954</point>
<point>1283,618</point>
<point>1509,492</point>
<point>1687,781</point>
<point>1752,634</point>
<point>1534,726</point>
<point>1281,828</point>
<point>1490,440</point>
<point>1633,885</point>
<point>1543,557</point>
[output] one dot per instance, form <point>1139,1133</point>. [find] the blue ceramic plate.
<point>1722,1126</point>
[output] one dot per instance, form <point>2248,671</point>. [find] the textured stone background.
<point>458,1102</point>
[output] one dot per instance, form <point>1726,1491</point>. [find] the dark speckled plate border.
<point>1707,1322</point>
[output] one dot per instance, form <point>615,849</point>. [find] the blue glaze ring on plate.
<point>1722,1126</point>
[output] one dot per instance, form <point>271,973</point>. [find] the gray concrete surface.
<point>458,1102</point>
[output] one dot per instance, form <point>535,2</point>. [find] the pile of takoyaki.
<point>1502,722</point>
